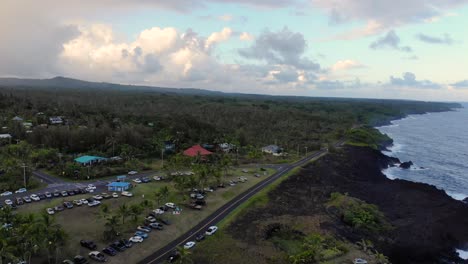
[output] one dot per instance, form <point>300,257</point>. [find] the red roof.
<point>197,150</point>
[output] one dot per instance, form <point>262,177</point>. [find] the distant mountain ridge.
<point>70,83</point>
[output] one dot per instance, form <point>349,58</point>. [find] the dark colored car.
<point>56,194</point>
<point>88,244</point>
<point>200,237</point>
<point>164,208</point>
<point>68,205</point>
<point>78,259</point>
<point>157,226</point>
<point>109,251</point>
<point>97,256</point>
<point>19,201</point>
<point>13,206</point>
<point>82,191</point>
<point>126,243</point>
<point>117,245</point>
<point>27,199</point>
<point>164,221</point>
<point>71,192</point>
<point>200,202</point>
<point>42,196</point>
<point>58,208</point>
<point>90,199</point>
<point>173,256</point>
<point>145,180</point>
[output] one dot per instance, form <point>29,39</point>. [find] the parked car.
<point>56,193</point>
<point>58,208</point>
<point>64,193</point>
<point>71,192</point>
<point>170,205</point>
<point>97,197</point>
<point>173,256</point>
<point>67,261</point>
<point>200,237</point>
<point>19,201</point>
<point>78,259</point>
<point>88,244</point>
<point>50,211</point>
<point>115,195</point>
<point>8,202</point>
<point>84,201</point>
<point>97,256</point>
<point>164,221</point>
<point>145,179</point>
<point>359,261</point>
<point>132,172</point>
<point>157,226</point>
<point>21,190</point>
<point>126,243</point>
<point>34,197</point>
<point>142,234</point>
<point>136,239</point>
<point>137,180</point>
<point>158,178</point>
<point>150,219</point>
<point>6,193</point>
<point>211,230</point>
<point>27,199</point>
<point>41,196</point>
<point>119,246</point>
<point>91,186</point>
<point>128,194</point>
<point>109,251</point>
<point>68,205</point>
<point>144,229</point>
<point>158,211</point>
<point>106,195</point>
<point>189,245</point>
<point>48,195</point>
<point>94,203</point>
<point>77,202</point>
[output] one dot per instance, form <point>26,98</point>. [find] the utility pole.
<point>306,151</point>
<point>24,173</point>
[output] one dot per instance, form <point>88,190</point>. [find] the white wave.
<point>456,196</point>
<point>388,173</point>
<point>463,254</point>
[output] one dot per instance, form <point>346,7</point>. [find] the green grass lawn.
<point>87,223</point>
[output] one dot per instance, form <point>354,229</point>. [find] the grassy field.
<point>84,222</point>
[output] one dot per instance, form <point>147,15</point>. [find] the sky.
<point>412,49</point>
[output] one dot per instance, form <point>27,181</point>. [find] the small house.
<point>89,160</point>
<point>118,186</point>
<point>272,149</point>
<point>197,150</point>
<point>55,120</point>
<point>5,138</point>
<point>17,119</point>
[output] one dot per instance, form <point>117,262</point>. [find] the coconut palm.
<point>147,205</point>
<point>135,212</point>
<point>184,256</point>
<point>123,212</point>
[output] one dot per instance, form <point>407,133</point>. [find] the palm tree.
<point>111,141</point>
<point>105,211</point>
<point>135,211</point>
<point>124,212</point>
<point>147,204</point>
<point>184,256</point>
<point>158,196</point>
<point>7,249</point>
<point>112,222</point>
<point>164,192</point>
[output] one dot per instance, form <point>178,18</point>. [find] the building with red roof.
<point>197,150</point>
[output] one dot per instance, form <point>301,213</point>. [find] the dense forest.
<point>136,124</point>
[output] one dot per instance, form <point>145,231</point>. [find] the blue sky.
<point>411,49</point>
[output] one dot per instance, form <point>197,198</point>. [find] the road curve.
<point>162,254</point>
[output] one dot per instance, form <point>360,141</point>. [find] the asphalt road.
<point>162,254</point>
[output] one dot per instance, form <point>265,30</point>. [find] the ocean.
<point>437,144</point>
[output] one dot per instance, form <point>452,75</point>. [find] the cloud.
<point>226,17</point>
<point>444,40</point>
<point>386,13</point>
<point>217,37</point>
<point>390,40</point>
<point>460,84</point>
<point>342,65</point>
<point>283,47</point>
<point>409,80</point>
<point>246,36</point>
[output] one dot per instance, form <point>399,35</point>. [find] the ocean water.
<point>437,144</point>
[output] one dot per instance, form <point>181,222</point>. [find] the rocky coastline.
<point>427,224</point>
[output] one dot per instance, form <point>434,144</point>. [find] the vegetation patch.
<point>358,214</point>
<point>367,137</point>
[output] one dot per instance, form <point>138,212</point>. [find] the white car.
<point>211,230</point>
<point>137,180</point>
<point>94,203</point>
<point>359,261</point>
<point>6,193</point>
<point>34,197</point>
<point>136,239</point>
<point>189,245</point>
<point>128,194</point>
<point>91,186</point>
<point>132,172</point>
<point>77,202</point>
<point>90,190</point>
<point>84,201</point>
<point>97,197</point>
<point>171,205</point>
<point>157,178</point>
<point>158,211</point>
<point>8,202</point>
<point>50,211</point>
<point>115,195</point>
<point>21,190</point>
